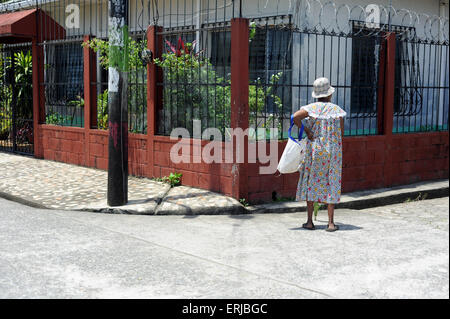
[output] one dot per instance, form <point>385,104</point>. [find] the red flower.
<point>180,46</point>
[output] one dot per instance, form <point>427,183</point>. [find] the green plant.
<point>174,179</point>
<point>252,31</point>
<point>317,207</point>
<point>137,98</point>
<point>5,126</point>
<point>418,198</point>
<point>54,118</point>
<point>244,202</point>
<point>22,63</point>
<point>23,70</point>
<point>185,70</point>
<point>5,113</point>
<point>102,110</point>
<point>134,51</point>
<point>257,100</point>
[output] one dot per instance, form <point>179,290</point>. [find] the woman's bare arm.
<point>298,117</point>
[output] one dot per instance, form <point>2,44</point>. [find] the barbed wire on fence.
<point>330,17</point>
<point>311,15</point>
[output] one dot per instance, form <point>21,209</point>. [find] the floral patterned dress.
<point>321,170</point>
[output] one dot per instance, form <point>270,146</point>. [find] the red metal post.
<point>38,95</point>
<point>388,110</point>
<point>90,94</point>
<point>154,92</point>
<point>239,101</point>
<point>90,86</point>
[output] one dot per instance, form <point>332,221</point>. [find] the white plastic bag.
<point>293,154</point>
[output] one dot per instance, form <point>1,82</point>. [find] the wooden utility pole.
<point>118,103</point>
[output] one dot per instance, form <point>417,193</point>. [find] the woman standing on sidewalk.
<point>320,173</point>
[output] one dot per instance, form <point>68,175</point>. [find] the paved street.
<point>397,251</point>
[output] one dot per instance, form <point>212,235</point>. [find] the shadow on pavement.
<point>343,227</point>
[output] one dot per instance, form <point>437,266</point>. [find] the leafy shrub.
<point>185,75</point>
<point>102,110</point>
<point>54,118</point>
<point>187,72</point>
<point>137,99</point>
<point>174,179</point>
<point>23,98</point>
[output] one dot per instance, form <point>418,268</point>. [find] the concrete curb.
<point>357,200</point>
<point>367,199</point>
<point>22,201</point>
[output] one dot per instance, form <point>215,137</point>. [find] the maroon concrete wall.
<point>370,162</point>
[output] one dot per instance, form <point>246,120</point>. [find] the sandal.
<point>336,227</point>
<point>309,228</point>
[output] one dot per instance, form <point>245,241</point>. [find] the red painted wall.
<point>67,144</point>
<point>368,161</point>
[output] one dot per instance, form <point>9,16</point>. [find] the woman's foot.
<point>332,227</point>
<point>309,226</point>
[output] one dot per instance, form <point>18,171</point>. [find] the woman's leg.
<point>331,224</point>
<point>309,222</point>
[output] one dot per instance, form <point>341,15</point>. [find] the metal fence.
<point>64,82</point>
<point>195,65</point>
<point>291,43</point>
<point>294,42</point>
<point>63,58</point>
<point>270,74</point>
<point>421,84</point>
<point>352,63</point>
<point>196,78</point>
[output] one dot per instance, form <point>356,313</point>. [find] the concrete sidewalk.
<point>54,185</point>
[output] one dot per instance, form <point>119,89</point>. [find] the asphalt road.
<point>396,251</point>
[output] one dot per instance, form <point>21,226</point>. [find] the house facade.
<point>389,66</point>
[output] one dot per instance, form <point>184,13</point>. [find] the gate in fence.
<point>16,99</point>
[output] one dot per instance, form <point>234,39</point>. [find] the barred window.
<point>64,71</point>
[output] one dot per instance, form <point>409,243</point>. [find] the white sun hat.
<point>322,88</point>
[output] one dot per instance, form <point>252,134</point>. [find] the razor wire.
<point>330,17</point>
<point>312,15</point>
